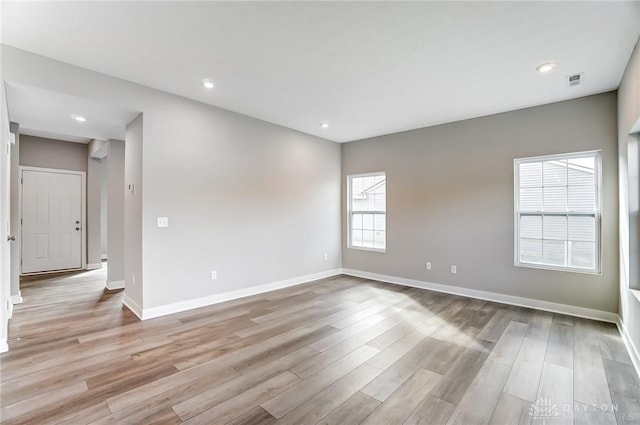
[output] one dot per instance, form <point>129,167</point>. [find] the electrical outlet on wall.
<point>214,275</point>
<point>326,256</point>
<point>454,270</point>
<point>427,265</point>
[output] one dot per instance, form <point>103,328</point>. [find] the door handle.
<point>11,238</point>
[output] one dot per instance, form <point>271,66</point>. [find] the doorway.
<point>53,220</point>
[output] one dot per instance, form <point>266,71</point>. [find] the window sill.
<point>558,269</point>
<point>359,248</point>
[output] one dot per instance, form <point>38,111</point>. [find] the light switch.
<point>163,221</point>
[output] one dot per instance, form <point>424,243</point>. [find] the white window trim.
<point>361,248</point>
<point>597,214</point>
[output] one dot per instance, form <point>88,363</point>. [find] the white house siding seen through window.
<point>367,211</point>
<point>557,212</point>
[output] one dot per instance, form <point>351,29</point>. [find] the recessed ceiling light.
<point>324,125</point>
<point>207,83</point>
<point>546,67</point>
<point>78,118</point>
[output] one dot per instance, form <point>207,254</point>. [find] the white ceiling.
<point>368,68</point>
<point>46,113</point>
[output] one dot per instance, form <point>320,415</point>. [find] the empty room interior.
<point>256,213</point>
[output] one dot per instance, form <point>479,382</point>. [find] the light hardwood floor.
<point>337,351</point>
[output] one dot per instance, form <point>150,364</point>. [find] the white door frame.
<point>83,202</point>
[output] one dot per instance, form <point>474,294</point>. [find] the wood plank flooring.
<point>337,351</point>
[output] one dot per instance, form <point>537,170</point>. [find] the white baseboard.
<point>4,347</point>
<point>570,310</point>
<point>93,266</point>
<point>132,305</point>
<point>16,299</point>
<point>163,310</point>
<point>633,351</point>
<point>115,284</point>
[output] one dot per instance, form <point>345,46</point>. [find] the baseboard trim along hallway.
<point>116,284</point>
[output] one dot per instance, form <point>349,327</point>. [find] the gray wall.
<point>450,200</point>
<point>50,153</point>
<point>115,215</point>
<point>93,213</point>
<point>628,116</point>
<point>254,201</point>
<point>104,197</point>
<point>97,150</point>
<point>133,266</point>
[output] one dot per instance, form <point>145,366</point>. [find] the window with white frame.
<point>557,212</point>
<point>367,204</point>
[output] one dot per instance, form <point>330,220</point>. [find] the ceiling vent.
<point>575,79</point>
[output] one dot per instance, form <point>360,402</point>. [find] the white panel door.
<point>51,221</point>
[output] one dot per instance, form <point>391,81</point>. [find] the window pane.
<point>356,221</point>
<point>379,240</point>
<point>531,250</point>
<point>579,176</point>
<point>369,182</point>
<point>379,222</point>
<point>356,237</point>
<point>380,202</point>
<point>554,173</point>
<point>553,252</point>
<point>367,238</point>
<point>555,227</point>
<point>582,254</point>
<point>582,171</point>
<point>357,186</point>
<point>531,174</point>
<point>582,198</point>
<point>367,221</point>
<point>531,227</point>
<point>531,199</point>
<point>365,203</point>
<point>555,198</point>
<point>582,229</point>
